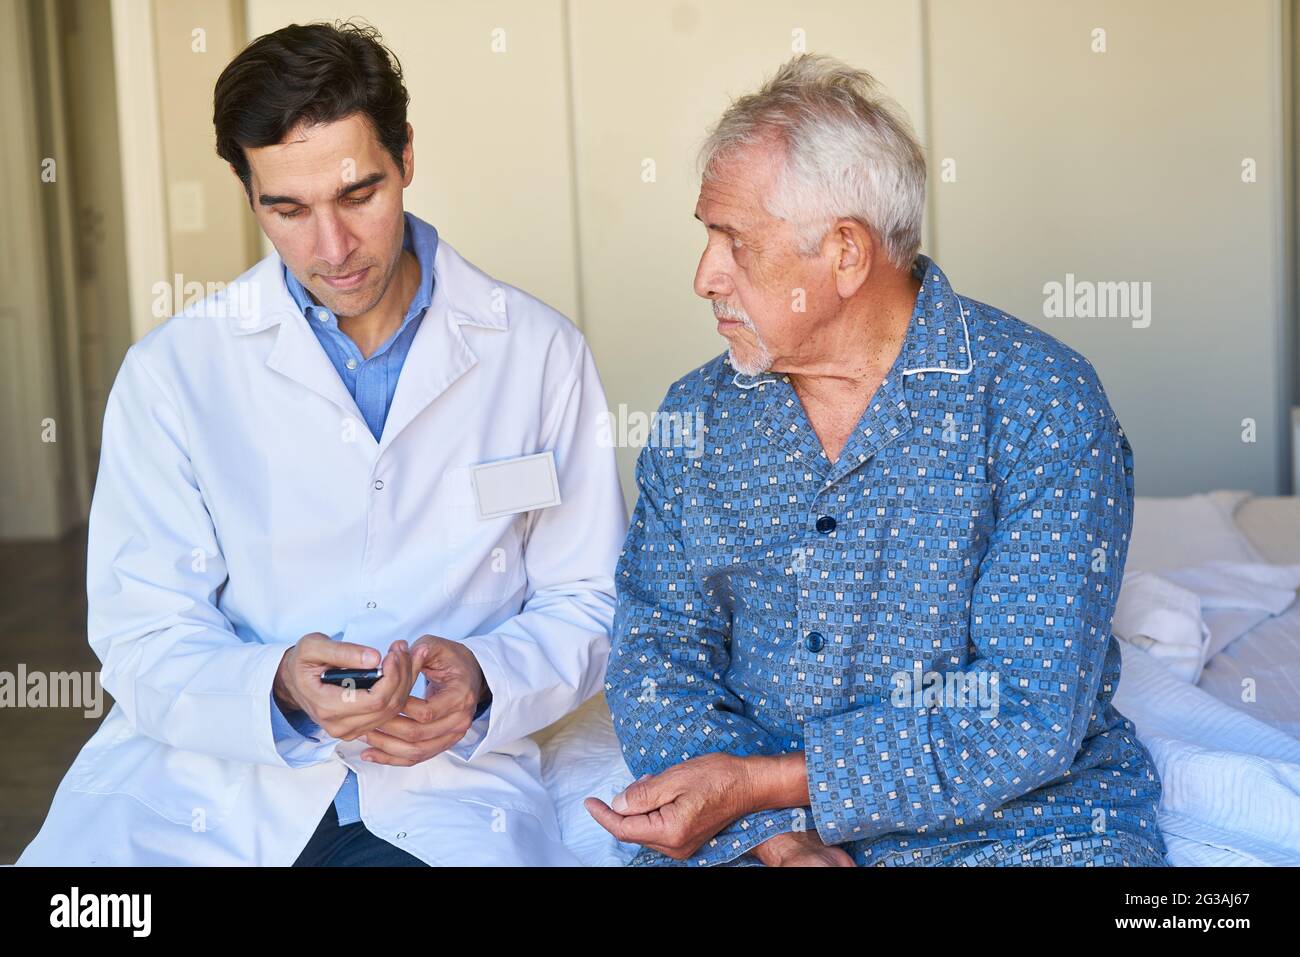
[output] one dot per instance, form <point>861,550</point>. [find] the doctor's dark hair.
<point>317,73</point>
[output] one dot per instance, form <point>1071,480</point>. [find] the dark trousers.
<point>350,846</point>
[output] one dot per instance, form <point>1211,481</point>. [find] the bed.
<point>1226,744</point>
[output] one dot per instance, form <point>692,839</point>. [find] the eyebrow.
<point>729,230</point>
<point>364,183</point>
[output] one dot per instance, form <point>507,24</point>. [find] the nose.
<point>712,281</point>
<point>334,242</point>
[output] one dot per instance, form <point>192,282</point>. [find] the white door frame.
<point>135,63</point>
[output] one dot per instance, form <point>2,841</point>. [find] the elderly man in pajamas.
<point>866,618</point>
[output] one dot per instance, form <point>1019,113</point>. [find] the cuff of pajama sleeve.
<point>731,845</point>
<point>833,759</point>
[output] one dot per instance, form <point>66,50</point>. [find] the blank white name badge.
<point>515,485</point>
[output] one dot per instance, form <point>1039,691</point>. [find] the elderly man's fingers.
<point>607,818</point>
<point>646,793</point>
<point>818,858</point>
<point>653,828</point>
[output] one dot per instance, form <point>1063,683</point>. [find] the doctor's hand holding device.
<point>304,682</point>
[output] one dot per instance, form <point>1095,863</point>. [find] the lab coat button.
<point>401,835</point>
<point>371,604</point>
<point>379,485</point>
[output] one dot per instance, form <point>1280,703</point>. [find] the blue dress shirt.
<point>373,383</point>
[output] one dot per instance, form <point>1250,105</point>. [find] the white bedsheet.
<point>581,758</point>
<point>1184,617</point>
<point>1259,673</point>
<point>1231,783</point>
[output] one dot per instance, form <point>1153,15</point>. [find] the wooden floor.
<point>43,626</point>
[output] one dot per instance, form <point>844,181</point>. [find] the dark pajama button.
<point>814,641</point>
<point>825,524</point>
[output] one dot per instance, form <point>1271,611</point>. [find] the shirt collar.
<point>938,337</point>
<point>417,236</point>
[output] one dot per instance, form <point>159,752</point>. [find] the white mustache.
<point>724,310</point>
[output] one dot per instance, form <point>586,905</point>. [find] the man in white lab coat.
<point>364,448</point>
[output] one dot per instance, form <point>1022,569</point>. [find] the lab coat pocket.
<point>489,834</point>
<point>185,787</point>
<point>499,813</point>
<point>483,557</point>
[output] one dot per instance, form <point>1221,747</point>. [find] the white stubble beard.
<point>762,358</point>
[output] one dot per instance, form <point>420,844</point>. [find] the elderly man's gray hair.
<point>849,153</point>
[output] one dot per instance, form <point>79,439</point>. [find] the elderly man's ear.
<point>855,255</point>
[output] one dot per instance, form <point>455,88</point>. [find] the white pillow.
<point>1173,533</point>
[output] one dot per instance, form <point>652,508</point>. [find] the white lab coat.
<point>238,507</point>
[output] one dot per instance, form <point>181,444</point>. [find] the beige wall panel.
<point>1127,166</point>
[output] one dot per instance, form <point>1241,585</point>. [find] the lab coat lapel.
<point>297,355</point>
<point>439,356</point>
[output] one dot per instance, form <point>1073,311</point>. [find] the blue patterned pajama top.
<point>926,618</point>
